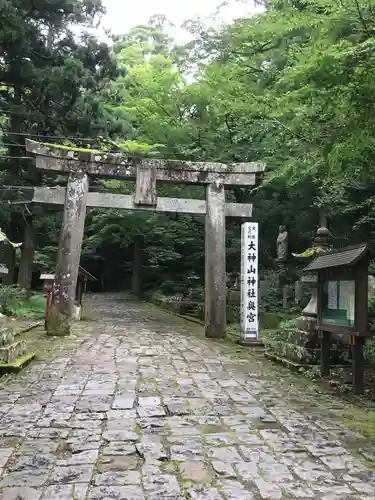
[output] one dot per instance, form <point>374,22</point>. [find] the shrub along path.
<point>139,405</point>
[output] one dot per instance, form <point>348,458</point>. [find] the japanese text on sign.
<point>249,281</point>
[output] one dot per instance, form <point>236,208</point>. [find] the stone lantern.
<point>307,321</point>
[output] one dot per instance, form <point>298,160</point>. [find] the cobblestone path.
<point>135,406</point>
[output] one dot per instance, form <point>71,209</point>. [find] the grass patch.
<point>361,420</point>
<point>14,301</point>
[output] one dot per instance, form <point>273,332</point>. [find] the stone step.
<point>18,364</point>
<point>6,336</point>
<point>10,353</point>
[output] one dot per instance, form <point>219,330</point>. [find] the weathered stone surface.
<point>203,493</point>
<point>227,454</point>
<point>21,493</point>
<point>214,424</point>
<point>56,196</point>
<point>81,458</point>
<point>152,447</point>
<point>10,353</point>
<point>120,462</point>
<point>105,164</point>
<point>94,403</point>
<point>118,478</point>
<point>123,403</point>
<point>196,471</point>
<point>150,411</point>
<point>72,474</point>
<point>38,461</point>
<point>63,306</point>
<point>162,486</point>
<point>234,490</point>
<point>66,492</point>
<point>29,477</point>
<point>5,453</point>
<point>119,435</point>
<point>119,448</point>
<point>116,493</point>
<point>215,275</point>
<point>223,469</point>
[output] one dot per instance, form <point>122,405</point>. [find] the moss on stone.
<point>138,430</point>
<point>70,148</point>
<point>212,429</point>
<point>17,365</point>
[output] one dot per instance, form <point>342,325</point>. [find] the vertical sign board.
<point>249,282</point>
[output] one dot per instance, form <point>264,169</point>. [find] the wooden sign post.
<point>342,304</point>
<point>249,285</point>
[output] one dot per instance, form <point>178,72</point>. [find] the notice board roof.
<point>347,256</point>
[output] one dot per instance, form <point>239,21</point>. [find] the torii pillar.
<point>215,262</point>
<point>69,254</point>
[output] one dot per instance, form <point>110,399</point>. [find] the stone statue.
<point>282,244</point>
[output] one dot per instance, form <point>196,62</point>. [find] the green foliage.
<point>293,86</point>
<point>369,351</point>
<point>371,305</point>
<point>15,301</point>
<point>287,324</point>
<point>270,295</point>
<point>271,337</point>
<point>275,320</point>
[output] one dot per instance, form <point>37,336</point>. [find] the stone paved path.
<point>135,407</point>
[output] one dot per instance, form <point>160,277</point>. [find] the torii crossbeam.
<point>80,165</point>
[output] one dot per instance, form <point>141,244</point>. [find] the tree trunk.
<point>25,272</point>
<point>9,256</point>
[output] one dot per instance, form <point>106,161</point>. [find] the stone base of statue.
<point>300,344</point>
<point>285,281</point>
<point>307,321</point>
<point>250,342</point>
<point>303,348</point>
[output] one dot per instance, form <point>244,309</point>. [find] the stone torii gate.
<point>80,165</point>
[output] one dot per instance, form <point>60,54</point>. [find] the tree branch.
<point>362,19</point>
<point>230,132</point>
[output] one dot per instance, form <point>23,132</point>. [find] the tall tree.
<point>51,75</point>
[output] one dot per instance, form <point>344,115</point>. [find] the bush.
<point>15,301</point>
<point>168,287</point>
<point>288,324</point>
<point>371,305</point>
<point>369,351</point>
<point>273,320</point>
<point>271,298</point>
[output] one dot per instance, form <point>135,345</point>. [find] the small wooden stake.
<point>358,365</point>
<point>325,351</point>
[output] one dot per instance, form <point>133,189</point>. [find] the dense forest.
<point>292,86</point>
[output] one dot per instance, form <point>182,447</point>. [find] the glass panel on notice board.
<point>338,302</point>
